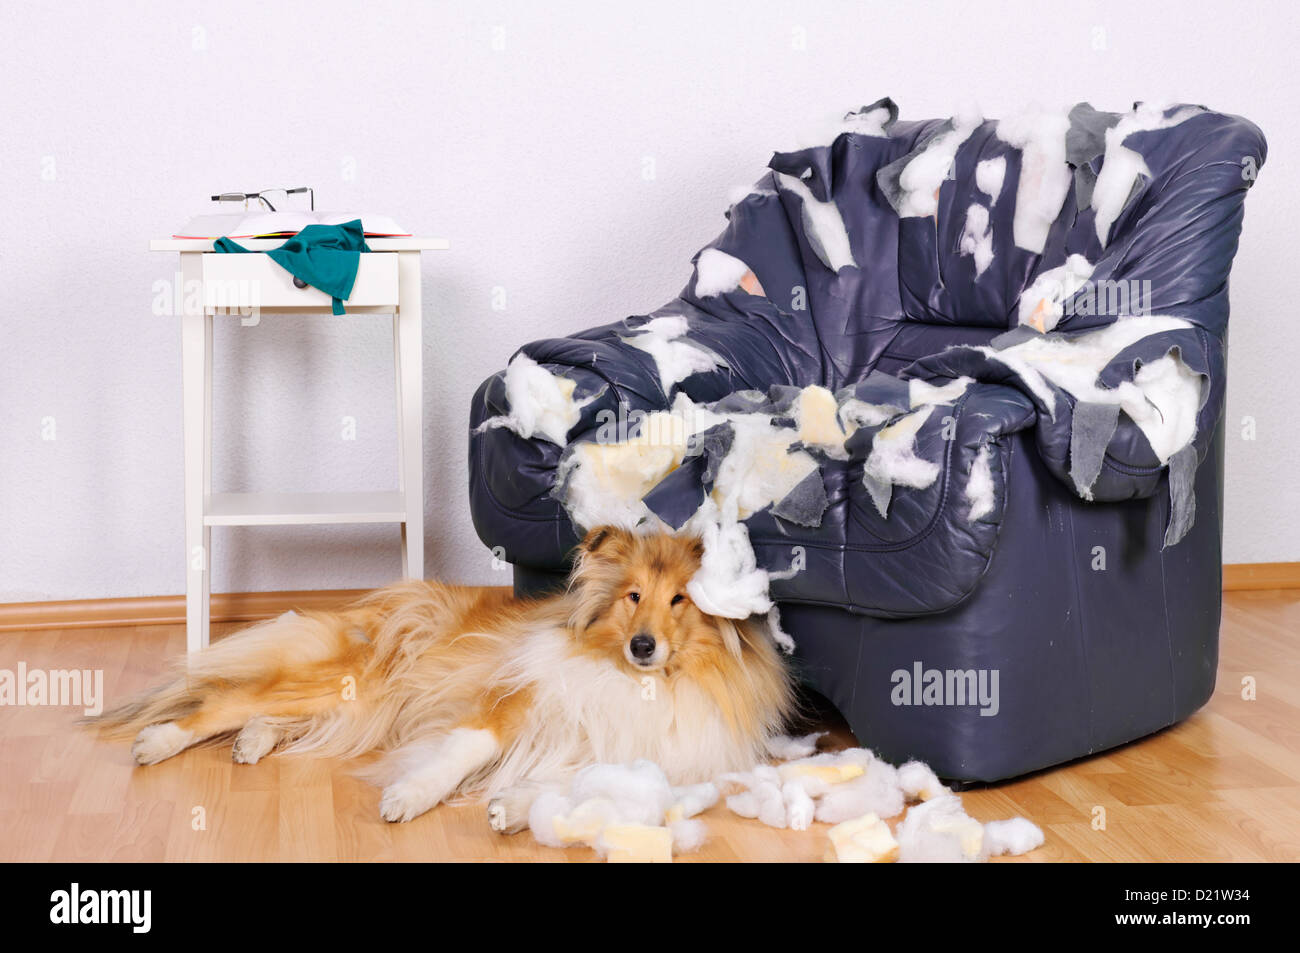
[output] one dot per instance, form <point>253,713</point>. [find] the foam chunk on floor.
<point>635,844</point>
<point>862,840</point>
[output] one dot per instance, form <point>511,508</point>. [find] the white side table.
<point>388,282</point>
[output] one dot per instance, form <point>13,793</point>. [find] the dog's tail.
<point>290,668</point>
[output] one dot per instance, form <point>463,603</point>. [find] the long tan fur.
<point>470,692</point>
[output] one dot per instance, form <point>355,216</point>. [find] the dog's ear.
<point>597,570</point>
<point>609,539</point>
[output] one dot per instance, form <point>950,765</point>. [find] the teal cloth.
<point>324,256</point>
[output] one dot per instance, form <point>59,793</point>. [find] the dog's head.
<point>630,602</point>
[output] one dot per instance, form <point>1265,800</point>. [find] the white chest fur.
<point>587,710</point>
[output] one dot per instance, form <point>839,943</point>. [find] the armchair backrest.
<point>899,238</point>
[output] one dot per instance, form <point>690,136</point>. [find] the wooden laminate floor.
<point>1224,785</point>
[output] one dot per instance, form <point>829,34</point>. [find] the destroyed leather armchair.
<point>1054,588</point>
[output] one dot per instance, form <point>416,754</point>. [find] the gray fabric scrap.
<point>1091,430</point>
<point>806,503</point>
<point>1085,180</point>
<point>1182,495</point>
<point>1086,137</point>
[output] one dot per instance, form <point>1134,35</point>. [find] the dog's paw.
<point>159,742</point>
<point>403,801</point>
<point>254,741</point>
<point>498,816</point>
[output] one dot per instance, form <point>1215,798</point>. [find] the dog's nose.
<point>642,646</point>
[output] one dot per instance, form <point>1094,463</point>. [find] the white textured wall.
<point>118,121</point>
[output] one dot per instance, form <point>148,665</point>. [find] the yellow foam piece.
<point>818,415</point>
<point>830,773</point>
<point>863,840</point>
<point>637,844</point>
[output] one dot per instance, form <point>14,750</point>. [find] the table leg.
<point>410,360</point>
<point>195,374</point>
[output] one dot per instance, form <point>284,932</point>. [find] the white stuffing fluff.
<point>640,791</point>
<point>893,458</point>
<point>977,238</point>
<point>919,783</point>
<point>1163,401</point>
<point>921,392</point>
<point>921,178</point>
<point>989,177</point>
<point>787,748</point>
<point>541,403</point>
<point>606,481</point>
<point>838,786</point>
<point>799,806</point>
<point>760,469</point>
<point>1121,165</point>
<point>728,583</point>
<point>876,791</point>
<point>939,831</point>
<point>823,224</point>
<point>869,122</point>
<point>1172,393</point>
<point>1042,304</point>
<point>781,638</point>
<point>602,795</point>
<point>1014,836</point>
<point>716,273</point>
<point>979,486</point>
<point>689,835</point>
<point>676,356</point>
<point>856,413</point>
<point>1045,177</point>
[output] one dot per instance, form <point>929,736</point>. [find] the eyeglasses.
<point>246,197</point>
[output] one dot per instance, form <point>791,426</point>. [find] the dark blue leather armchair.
<point>1060,622</point>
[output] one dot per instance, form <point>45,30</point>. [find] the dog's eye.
<point>676,599</point>
<point>634,596</point>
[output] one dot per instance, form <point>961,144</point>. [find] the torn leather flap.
<point>1182,495</point>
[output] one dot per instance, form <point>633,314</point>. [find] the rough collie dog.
<point>473,693</point>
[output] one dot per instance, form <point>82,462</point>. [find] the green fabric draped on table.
<point>324,256</point>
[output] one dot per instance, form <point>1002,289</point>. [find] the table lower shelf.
<point>277,509</point>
